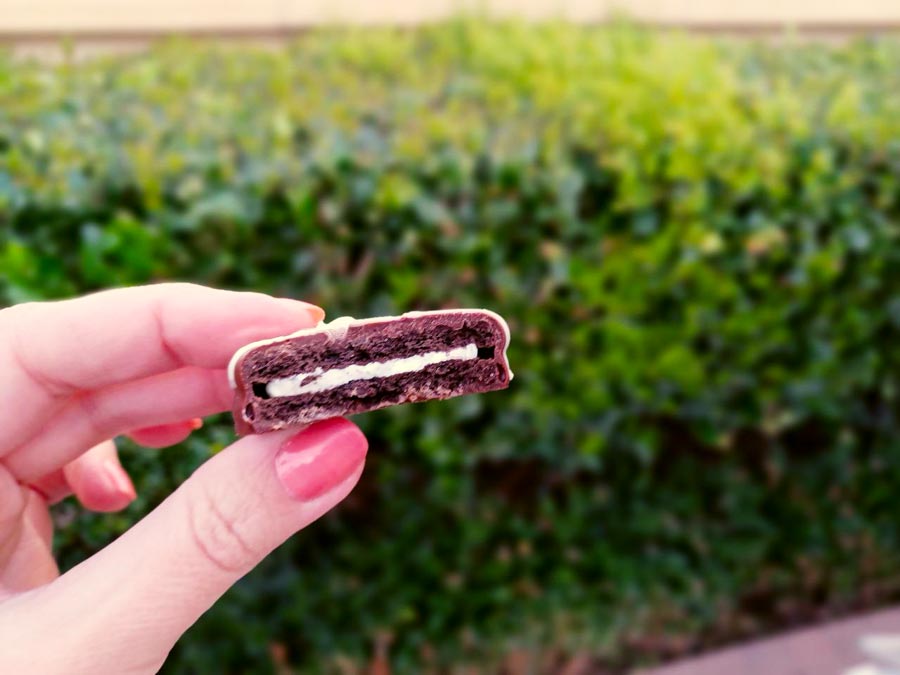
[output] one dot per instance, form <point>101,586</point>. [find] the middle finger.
<point>93,417</point>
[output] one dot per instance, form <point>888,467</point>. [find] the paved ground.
<point>822,650</point>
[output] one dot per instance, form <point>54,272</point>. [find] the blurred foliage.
<point>694,241</point>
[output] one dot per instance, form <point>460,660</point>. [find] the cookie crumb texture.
<point>349,367</point>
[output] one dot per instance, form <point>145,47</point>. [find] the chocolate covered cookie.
<point>350,366</point>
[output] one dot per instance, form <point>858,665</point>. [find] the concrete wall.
<point>144,17</point>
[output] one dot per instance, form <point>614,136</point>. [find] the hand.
<point>80,372</point>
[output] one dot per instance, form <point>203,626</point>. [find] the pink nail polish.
<point>320,458</point>
<point>118,480</point>
<point>315,312</point>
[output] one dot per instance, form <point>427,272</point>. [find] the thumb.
<point>130,602</point>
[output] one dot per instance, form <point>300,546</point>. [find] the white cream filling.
<point>323,380</point>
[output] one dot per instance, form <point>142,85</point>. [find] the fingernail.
<point>117,480</point>
<point>315,313</point>
<point>320,458</point>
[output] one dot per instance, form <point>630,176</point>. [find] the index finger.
<point>50,351</point>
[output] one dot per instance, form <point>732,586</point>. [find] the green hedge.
<point>694,241</point>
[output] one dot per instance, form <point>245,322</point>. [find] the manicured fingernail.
<point>117,480</point>
<point>320,458</point>
<point>315,313</point>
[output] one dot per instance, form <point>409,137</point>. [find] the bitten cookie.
<point>351,366</point>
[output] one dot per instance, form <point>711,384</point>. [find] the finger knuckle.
<point>219,535</point>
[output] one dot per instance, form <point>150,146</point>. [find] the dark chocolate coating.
<point>380,340</point>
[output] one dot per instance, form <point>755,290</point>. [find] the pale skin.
<point>147,362</point>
